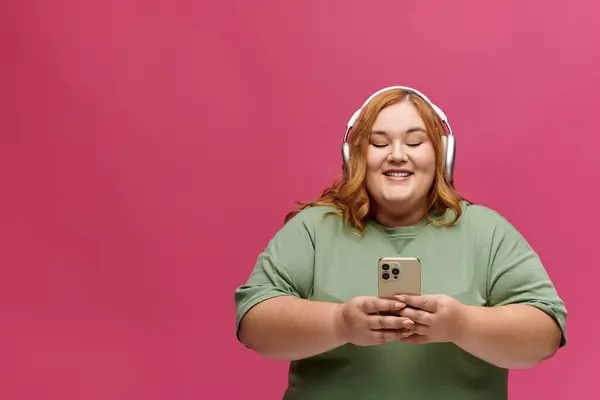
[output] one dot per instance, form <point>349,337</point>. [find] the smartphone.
<point>398,275</point>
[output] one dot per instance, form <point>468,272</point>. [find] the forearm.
<point>287,328</point>
<point>514,336</point>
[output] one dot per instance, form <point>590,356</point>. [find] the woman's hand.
<point>438,318</point>
<point>358,321</point>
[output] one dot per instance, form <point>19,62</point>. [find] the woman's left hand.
<point>438,318</point>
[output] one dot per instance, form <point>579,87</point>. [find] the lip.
<point>400,170</point>
<point>398,178</point>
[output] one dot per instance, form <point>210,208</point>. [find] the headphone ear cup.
<point>346,154</point>
<point>445,149</point>
<point>450,155</point>
<point>447,156</point>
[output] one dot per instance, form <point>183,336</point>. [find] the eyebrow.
<point>409,130</point>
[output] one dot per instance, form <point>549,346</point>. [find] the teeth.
<point>401,174</point>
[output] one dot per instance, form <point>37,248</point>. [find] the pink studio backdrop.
<point>150,149</point>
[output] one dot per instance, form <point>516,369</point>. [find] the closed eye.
<point>413,144</point>
<point>378,145</point>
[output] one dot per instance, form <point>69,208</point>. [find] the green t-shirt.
<point>482,260</point>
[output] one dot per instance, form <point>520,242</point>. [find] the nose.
<point>397,153</point>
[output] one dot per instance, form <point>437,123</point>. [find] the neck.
<point>394,219</point>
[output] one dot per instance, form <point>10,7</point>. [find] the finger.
<point>384,335</point>
<point>419,316</point>
<point>426,302</point>
<point>372,305</point>
<point>404,333</point>
<point>415,328</point>
<point>388,322</point>
<point>420,329</point>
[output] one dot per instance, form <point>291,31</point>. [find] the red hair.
<point>349,194</point>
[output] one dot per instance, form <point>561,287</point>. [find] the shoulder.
<point>480,215</point>
<point>301,233</point>
<point>315,216</point>
<point>487,221</point>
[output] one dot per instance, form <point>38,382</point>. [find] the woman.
<point>488,304</point>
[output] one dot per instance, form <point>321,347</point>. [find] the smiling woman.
<point>486,300</point>
<point>401,165</point>
<point>397,129</point>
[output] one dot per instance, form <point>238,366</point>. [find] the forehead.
<point>398,117</point>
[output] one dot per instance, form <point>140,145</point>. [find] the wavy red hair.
<point>349,194</point>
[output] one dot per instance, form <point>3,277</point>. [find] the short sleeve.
<point>284,268</point>
<point>517,275</point>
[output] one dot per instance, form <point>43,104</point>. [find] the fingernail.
<point>401,298</point>
<point>408,322</point>
<point>399,306</point>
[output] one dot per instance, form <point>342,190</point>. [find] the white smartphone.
<point>398,275</point>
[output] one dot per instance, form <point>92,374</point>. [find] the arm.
<point>292,329</point>
<point>524,322</point>
<point>288,328</point>
<point>274,317</point>
<point>512,336</point>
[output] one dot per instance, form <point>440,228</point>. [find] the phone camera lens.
<point>385,267</point>
<point>385,276</point>
<point>395,271</point>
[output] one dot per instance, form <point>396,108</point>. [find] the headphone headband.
<point>448,139</point>
<point>437,110</point>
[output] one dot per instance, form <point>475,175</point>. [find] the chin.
<point>398,199</point>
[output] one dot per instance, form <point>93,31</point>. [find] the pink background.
<point>150,149</point>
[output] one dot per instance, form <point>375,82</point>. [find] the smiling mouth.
<point>398,174</point>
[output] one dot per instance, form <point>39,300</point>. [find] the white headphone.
<point>447,139</point>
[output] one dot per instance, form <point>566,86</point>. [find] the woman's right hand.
<point>358,321</point>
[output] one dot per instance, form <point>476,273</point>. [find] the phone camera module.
<point>385,276</point>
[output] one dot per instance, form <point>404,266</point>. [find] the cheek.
<point>373,160</point>
<point>373,170</point>
<point>427,160</point>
